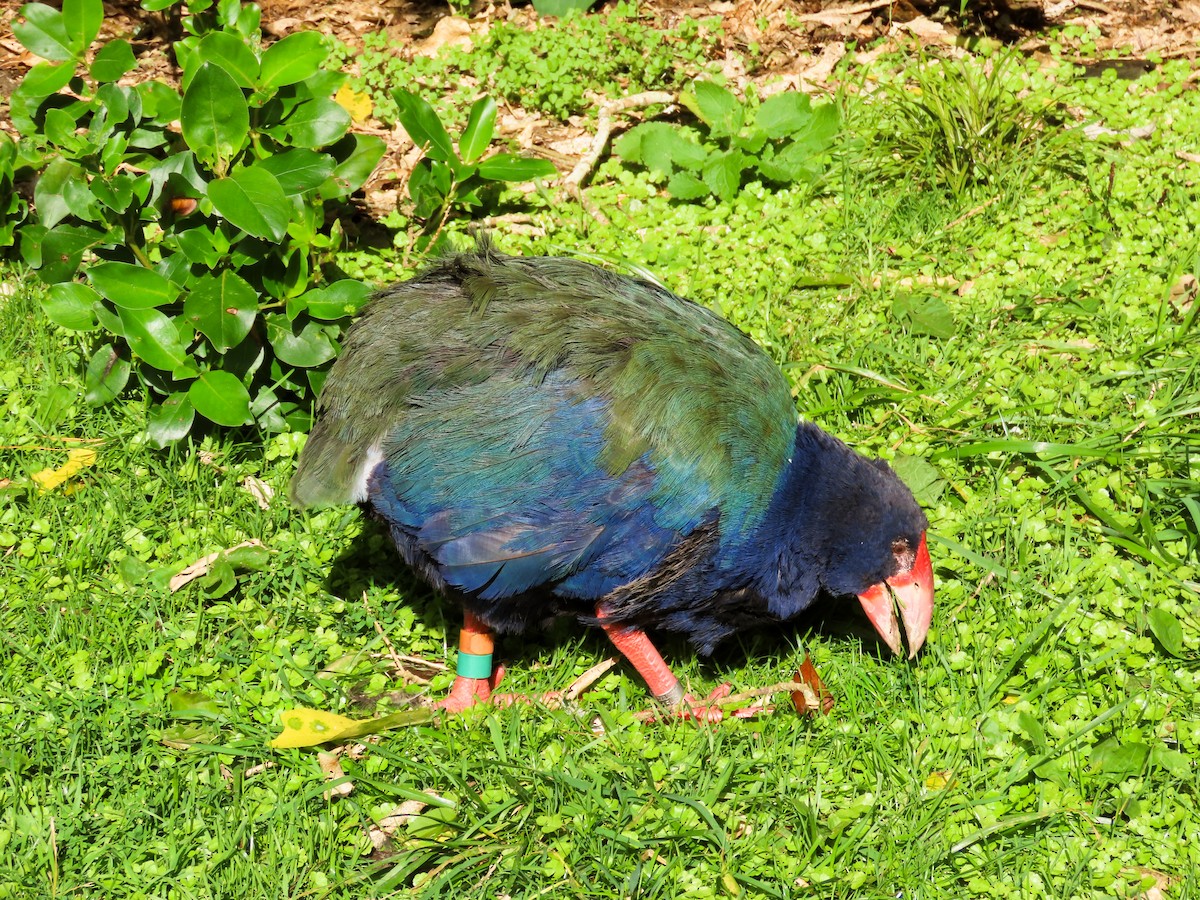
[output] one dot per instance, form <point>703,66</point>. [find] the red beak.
<point>911,590</point>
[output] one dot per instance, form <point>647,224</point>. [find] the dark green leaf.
<point>31,238</point>
<point>299,171</point>
<point>132,287</point>
<point>82,19</point>
<point>252,200</point>
<point>229,52</point>
<point>44,32</point>
<point>159,102</point>
<point>176,268</point>
<point>313,124</point>
<point>723,173</point>
<point>510,167</point>
<point>359,154</point>
<point>59,126</point>
<point>50,192</point>
<point>423,125</point>
<point>112,61</point>
<point>223,308</point>
<point>1167,631</point>
<point>429,186</point>
<point>340,299</point>
<point>481,124</point>
<point>119,102</point>
<point>784,114</point>
<point>221,398</point>
<point>716,107</point>
<point>309,347</point>
<point>246,18</point>
<point>62,250</point>
<point>295,58</point>
<point>45,79</point>
<point>214,116</point>
<point>171,420</point>
<point>116,193</point>
<point>108,318</point>
<point>107,374</point>
<point>925,314</point>
<point>285,277</point>
<point>69,304</point>
<point>154,338</point>
<point>198,244</point>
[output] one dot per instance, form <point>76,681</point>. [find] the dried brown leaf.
<point>813,696</point>
<point>331,765</point>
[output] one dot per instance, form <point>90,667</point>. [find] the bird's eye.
<point>904,553</point>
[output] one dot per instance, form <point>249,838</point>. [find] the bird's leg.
<point>637,648</point>
<point>475,676</point>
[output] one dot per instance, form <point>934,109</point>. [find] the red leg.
<point>474,641</point>
<point>637,648</point>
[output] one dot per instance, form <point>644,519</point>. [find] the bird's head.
<point>868,535</point>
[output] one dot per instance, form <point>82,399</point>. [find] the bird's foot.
<point>709,709</point>
<point>466,692</point>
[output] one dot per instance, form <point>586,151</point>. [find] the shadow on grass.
<point>372,563</point>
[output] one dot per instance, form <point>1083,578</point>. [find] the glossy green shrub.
<point>186,230</point>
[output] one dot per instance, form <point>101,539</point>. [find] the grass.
<point>1041,746</point>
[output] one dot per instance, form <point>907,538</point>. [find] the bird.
<point>544,437</point>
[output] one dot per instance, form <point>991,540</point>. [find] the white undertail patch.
<point>371,459</point>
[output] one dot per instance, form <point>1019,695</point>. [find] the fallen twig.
<point>839,15</point>
<point>604,127</point>
<point>588,678</point>
<point>400,668</point>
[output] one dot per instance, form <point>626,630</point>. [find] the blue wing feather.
<point>502,486</point>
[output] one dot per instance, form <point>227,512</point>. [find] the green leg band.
<point>474,665</point>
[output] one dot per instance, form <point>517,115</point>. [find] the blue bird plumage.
<point>544,437</point>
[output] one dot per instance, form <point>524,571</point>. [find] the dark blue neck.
<point>785,554</point>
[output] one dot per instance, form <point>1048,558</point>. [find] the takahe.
<point>545,437</point>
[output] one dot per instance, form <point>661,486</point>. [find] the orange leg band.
<point>476,643</point>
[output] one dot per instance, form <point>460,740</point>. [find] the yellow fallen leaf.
<point>358,105</point>
<point>938,781</point>
<point>303,727</point>
<point>77,460</point>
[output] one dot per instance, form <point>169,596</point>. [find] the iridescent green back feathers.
<point>684,390</point>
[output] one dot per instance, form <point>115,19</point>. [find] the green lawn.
<point>1032,354</point>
